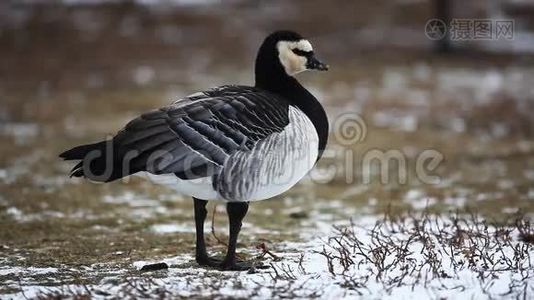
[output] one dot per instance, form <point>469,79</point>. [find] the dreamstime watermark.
<point>343,160</point>
<point>349,129</point>
<point>378,165</point>
<point>470,29</point>
<point>346,163</point>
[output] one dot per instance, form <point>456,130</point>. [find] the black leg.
<point>236,213</point>
<point>201,254</point>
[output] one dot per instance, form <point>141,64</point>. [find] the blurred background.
<point>74,71</point>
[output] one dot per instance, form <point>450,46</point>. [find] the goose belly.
<point>279,174</point>
<point>201,188</point>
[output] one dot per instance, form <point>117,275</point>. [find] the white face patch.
<point>292,62</point>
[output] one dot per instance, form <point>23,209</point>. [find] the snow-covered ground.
<point>416,256</point>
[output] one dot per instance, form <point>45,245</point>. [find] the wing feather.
<point>193,137</point>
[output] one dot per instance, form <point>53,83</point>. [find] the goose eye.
<point>301,52</point>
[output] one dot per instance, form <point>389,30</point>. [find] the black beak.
<point>314,64</point>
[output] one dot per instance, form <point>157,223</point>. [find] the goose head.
<point>286,53</point>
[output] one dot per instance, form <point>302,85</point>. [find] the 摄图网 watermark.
<point>470,29</point>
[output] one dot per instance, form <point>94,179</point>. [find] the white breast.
<point>274,165</point>
<point>293,162</point>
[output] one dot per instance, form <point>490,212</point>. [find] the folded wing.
<point>191,138</point>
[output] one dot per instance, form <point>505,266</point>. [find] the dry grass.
<point>423,249</point>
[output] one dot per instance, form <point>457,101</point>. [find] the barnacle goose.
<point>231,143</point>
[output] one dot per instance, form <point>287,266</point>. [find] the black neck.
<point>271,76</point>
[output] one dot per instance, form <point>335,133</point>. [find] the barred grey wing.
<point>194,136</point>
